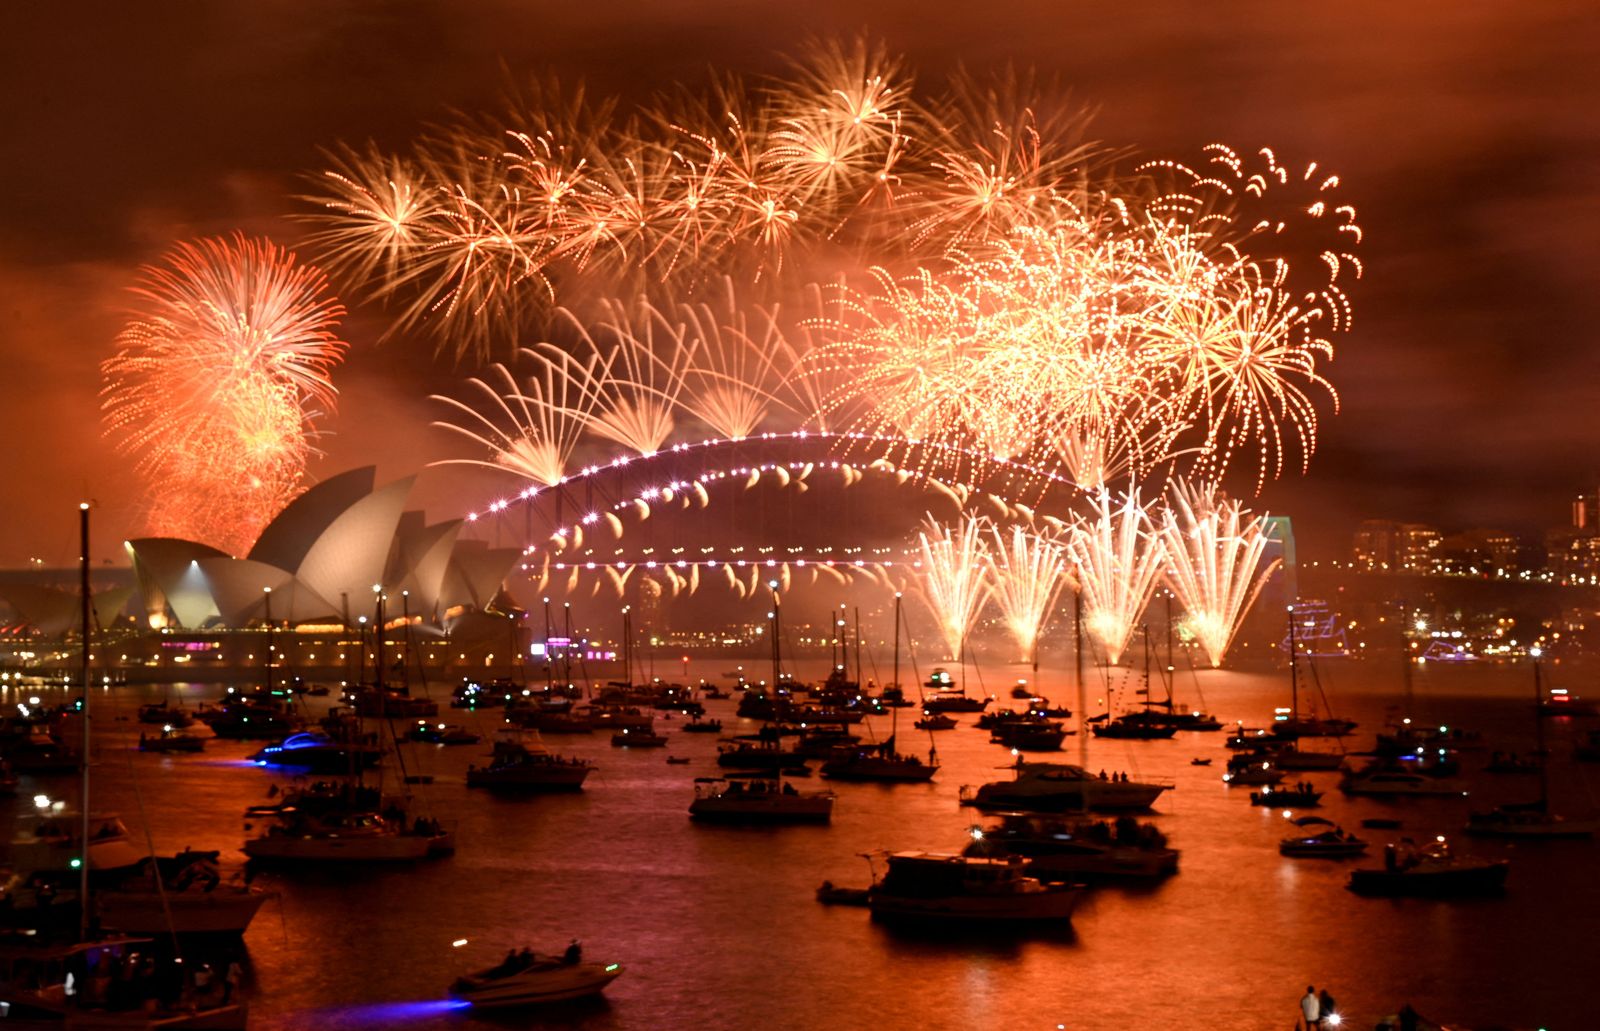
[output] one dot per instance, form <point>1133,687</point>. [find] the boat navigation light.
<point>41,801</point>
<point>613,966</point>
<point>1333,1020</point>
<point>977,833</point>
<point>1439,838</point>
<point>458,943</point>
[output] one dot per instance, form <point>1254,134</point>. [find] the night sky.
<point>1468,136</point>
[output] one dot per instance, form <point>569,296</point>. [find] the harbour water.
<point>718,928</point>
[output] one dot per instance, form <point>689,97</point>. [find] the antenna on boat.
<point>1077,662</point>
<point>84,614</point>
<point>1294,672</point>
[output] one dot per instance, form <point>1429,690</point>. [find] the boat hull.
<point>1488,879</point>
<point>389,848</point>
<point>193,912</point>
<point>1046,907</point>
<point>537,988</point>
<point>787,810</point>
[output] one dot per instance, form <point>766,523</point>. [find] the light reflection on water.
<point>718,926</point>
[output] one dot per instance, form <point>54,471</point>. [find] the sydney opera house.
<point>310,585</point>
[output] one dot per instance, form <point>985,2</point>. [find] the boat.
<point>1392,778</point>
<point>934,721</point>
<point>934,887</point>
<point>1290,724</point>
<point>1511,762</point>
<point>1382,823</point>
<point>700,726</point>
<point>34,992</point>
<point>1125,729</point>
<point>319,753</point>
<point>673,760</point>
<point>1320,839</point>
<point>1301,796</point>
<point>878,763</point>
<point>1062,850</point>
<point>1251,771</point>
<point>171,739</point>
<point>430,733</point>
<point>1199,762</point>
<point>1061,787</point>
<point>522,763</point>
<point>245,717</point>
<point>633,737</point>
<point>192,898</point>
<point>1030,735</point>
<point>377,701</point>
<point>1298,760</point>
<point>531,980</point>
<point>763,753</point>
<point>1531,819</point>
<point>53,841</point>
<point>346,834</point>
<point>1430,871</point>
<point>757,800</point>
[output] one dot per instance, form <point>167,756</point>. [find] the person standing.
<point>1311,1009</point>
<point>1325,1007</point>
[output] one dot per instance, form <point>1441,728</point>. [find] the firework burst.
<point>1118,558</point>
<point>217,383</point>
<point>1213,550</point>
<point>1028,571</point>
<point>955,577</point>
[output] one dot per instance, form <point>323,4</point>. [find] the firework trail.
<point>1118,557</point>
<point>955,577</point>
<point>217,382</point>
<point>1028,571</point>
<point>526,427</point>
<point>1213,551</point>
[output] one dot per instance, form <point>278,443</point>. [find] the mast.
<point>897,642</point>
<point>777,628</point>
<point>1538,727</point>
<point>266,599</point>
<point>549,660</point>
<point>1083,693</point>
<point>1172,671</point>
<point>1144,628</point>
<point>84,907</point>
<point>1294,672</point>
<point>566,653</point>
<point>377,638</point>
<point>858,648</point>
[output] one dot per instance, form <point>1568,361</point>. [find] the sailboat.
<point>881,762</point>
<point>1289,723</point>
<point>48,982</point>
<point>760,797</point>
<point>1129,726</point>
<point>1531,819</point>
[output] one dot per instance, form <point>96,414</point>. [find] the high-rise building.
<point>1586,512</point>
<point>1381,546</point>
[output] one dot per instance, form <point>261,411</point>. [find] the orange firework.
<point>217,382</point>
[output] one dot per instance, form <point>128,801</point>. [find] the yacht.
<point>1125,729</point>
<point>1298,797</point>
<point>521,763</point>
<point>1061,850</point>
<point>1430,870</point>
<point>636,737</point>
<point>317,752</point>
<point>163,714</point>
<point>1059,788</point>
<point>1029,735</point>
<point>934,721</point>
<point>1393,779</point>
<point>877,762</point>
<point>339,823</point>
<point>534,980</point>
<point>171,739</point>
<point>34,990</point>
<point>700,726</point>
<point>1251,771</point>
<point>932,887</point>
<point>757,800</point>
<point>954,701</point>
<point>430,733</point>
<point>191,898</point>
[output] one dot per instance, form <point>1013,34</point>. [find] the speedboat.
<point>543,979</point>
<point>1430,871</point>
<point>932,887</point>
<point>1059,788</point>
<point>1320,839</point>
<point>1059,850</point>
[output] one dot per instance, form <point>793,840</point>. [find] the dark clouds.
<point>1467,134</point>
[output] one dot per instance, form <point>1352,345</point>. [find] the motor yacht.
<point>192,898</point>
<point>171,739</point>
<point>1386,779</point>
<point>636,737</point>
<point>934,721</point>
<point>1030,735</point>
<point>1528,820</point>
<point>34,990</point>
<point>1059,788</point>
<point>932,887</point>
<point>1301,796</point>
<point>522,763</point>
<point>757,800</point>
<point>1251,771</point>
<point>317,752</point>
<point>1062,850</point>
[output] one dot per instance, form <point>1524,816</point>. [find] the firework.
<point>955,577</point>
<point>1028,571</point>
<point>1118,558</point>
<point>217,383</point>
<point>530,427</point>
<point>1213,550</point>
